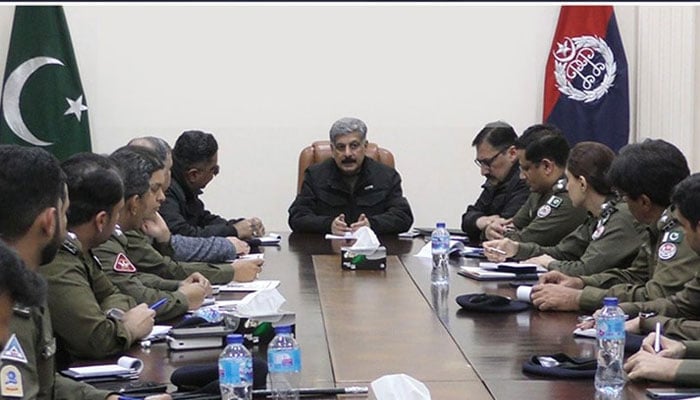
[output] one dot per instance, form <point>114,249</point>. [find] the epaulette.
<point>606,210</point>
<point>22,311</point>
<point>667,222</point>
<point>70,247</point>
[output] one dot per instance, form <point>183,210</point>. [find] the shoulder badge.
<point>667,251</point>
<point>22,311</point>
<point>599,230</point>
<point>11,382</point>
<point>123,264</point>
<point>118,231</point>
<point>70,247</point>
<point>560,186</point>
<point>673,237</point>
<point>13,351</point>
<point>555,201</point>
<point>544,211</point>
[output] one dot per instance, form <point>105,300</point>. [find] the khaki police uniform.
<point>609,241</point>
<point>80,296</point>
<point>546,218</point>
<point>28,362</point>
<point>148,259</point>
<point>663,266</point>
<point>688,373</point>
<point>143,287</point>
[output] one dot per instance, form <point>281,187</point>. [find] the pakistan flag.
<point>43,103</point>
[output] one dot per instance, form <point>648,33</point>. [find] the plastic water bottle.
<point>610,332</point>
<point>235,370</point>
<point>284,364</point>
<point>440,244</point>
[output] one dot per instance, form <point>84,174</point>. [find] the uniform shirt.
<point>655,273</point>
<point>688,372</point>
<point>147,259</point>
<point>546,218</point>
<point>79,296</point>
<point>611,240</point>
<point>29,362</point>
<point>502,198</point>
<point>325,194</point>
<point>143,287</point>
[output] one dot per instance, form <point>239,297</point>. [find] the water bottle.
<point>235,370</point>
<point>440,244</point>
<point>284,364</point>
<point>610,334</point>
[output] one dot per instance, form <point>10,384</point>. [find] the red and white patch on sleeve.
<point>123,264</point>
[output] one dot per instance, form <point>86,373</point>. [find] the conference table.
<point>357,326</point>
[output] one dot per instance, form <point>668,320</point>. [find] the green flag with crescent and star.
<point>43,103</point>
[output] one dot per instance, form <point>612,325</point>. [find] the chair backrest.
<point>320,150</point>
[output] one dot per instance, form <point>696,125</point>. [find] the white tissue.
<point>366,242</point>
<point>523,293</point>
<point>263,302</point>
<point>399,387</point>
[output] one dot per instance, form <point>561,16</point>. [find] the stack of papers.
<point>253,286</point>
<point>269,239</point>
<point>158,332</point>
<point>427,250</point>
<point>502,271</point>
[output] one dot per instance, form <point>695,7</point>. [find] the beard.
<point>49,251</point>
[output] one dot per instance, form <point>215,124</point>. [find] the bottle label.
<point>611,328</point>
<point>284,360</point>
<point>229,372</point>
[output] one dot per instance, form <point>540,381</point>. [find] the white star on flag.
<point>76,107</point>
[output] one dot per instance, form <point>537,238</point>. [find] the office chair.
<point>320,150</point>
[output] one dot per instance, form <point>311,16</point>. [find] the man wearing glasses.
<point>503,192</point>
<point>349,191</point>
<point>547,215</point>
<point>195,163</point>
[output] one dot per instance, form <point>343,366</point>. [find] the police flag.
<point>586,90</point>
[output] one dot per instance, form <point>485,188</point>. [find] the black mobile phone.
<point>673,393</point>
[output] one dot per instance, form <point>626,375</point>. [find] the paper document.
<point>124,366</point>
<point>158,332</point>
<point>270,238</point>
<point>427,250</point>
<point>511,266</point>
<point>254,256</point>
<point>253,286</point>
<point>346,237</point>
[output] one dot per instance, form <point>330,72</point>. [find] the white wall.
<point>269,79</point>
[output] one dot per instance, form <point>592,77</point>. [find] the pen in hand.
<point>657,339</point>
<point>495,250</point>
<point>158,303</point>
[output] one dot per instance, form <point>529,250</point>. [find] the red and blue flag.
<point>586,92</point>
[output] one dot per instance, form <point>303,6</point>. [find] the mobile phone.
<point>673,393</point>
<point>516,284</point>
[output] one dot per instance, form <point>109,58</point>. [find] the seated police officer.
<point>349,191</point>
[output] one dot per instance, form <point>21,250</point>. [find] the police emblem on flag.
<point>584,68</point>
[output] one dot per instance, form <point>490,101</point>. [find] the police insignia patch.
<point>123,264</point>
<point>555,201</point>
<point>11,382</point>
<point>675,237</point>
<point>544,211</point>
<point>667,251</point>
<point>13,351</point>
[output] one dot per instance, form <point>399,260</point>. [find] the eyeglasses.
<point>487,162</point>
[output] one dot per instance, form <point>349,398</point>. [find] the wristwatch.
<point>647,314</point>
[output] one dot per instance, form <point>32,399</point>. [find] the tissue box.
<point>373,261</point>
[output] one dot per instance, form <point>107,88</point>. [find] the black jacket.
<point>324,195</point>
<point>504,199</point>
<point>185,214</point>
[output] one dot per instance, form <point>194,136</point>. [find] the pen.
<point>657,339</point>
<point>121,397</point>
<point>158,303</point>
<point>495,250</point>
